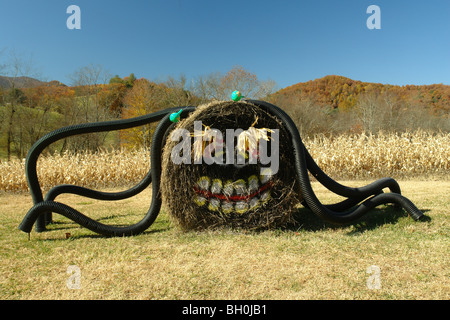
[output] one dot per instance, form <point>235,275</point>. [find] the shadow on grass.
<point>160,225</point>
<point>96,235</point>
<point>306,220</point>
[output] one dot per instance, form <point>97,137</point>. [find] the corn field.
<point>359,156</point>
<point>115,168</point>
<point>398,155</point>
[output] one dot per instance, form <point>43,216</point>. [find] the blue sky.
<point>286,41</point>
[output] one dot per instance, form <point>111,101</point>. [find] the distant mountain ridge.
<point>343,93</point>
<point>332,90</point>
<point>25,82</point>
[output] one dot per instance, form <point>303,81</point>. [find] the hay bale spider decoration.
<point>238,163</point>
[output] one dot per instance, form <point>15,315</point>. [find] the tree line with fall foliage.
<point>329,105</point>
<point>27,113</point>
<point>336,104</point>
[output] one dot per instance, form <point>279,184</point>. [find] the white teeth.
<point>203,183</point>
<point>214,205</point>
<point>216,186</point>
<point>200,201</point>
<point>266,175</point>
<point>227,207</point>
<point>228,188</point>
<point>253,184</point>
<point>240,187</point>
<point>254,203</point>
<point>241,207</point>
<point>265,197</point>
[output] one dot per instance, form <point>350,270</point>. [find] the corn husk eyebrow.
<point>207,134</point>
<point>248,140</point>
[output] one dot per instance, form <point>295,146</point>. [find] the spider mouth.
<point>227,196</point>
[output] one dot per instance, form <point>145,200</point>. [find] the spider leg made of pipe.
<point>42,208</point>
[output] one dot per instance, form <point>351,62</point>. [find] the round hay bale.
<point>214,176</point>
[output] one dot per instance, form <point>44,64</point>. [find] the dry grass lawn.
<point>310,260</point>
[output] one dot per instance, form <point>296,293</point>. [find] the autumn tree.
<point>16,67</point>
<point>44,110</point>
<point>177,92</point>
<point>368,112</point>
<point>116,79</point>
<point>127,81</point>
<point>111,97</point>
<point>146,97</point>
<point>383,111</point>
<point>208,87</point>
<point>219,87</point>
<point>140,100</point>
<point>88,82</point>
